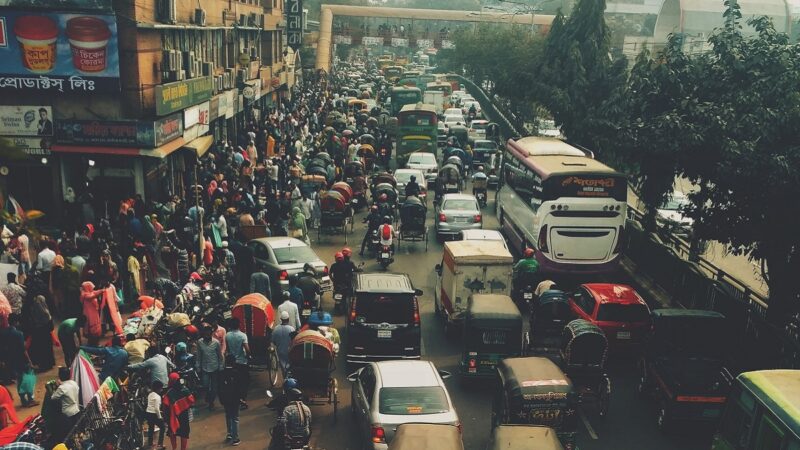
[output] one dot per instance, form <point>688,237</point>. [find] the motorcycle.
<point>342,291</point>
<point>385,256</point>
<point>480,195</point>
<point>375,241</point>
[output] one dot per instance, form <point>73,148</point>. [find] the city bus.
<point>442,86</point>
<point>762,412</point>
<point>417,128</point>
<point>403,95</point>
<point>560,201</point>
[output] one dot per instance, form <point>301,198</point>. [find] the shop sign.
<point>240,104</point>
<point>191,133</point>
<point>34,146</point>
<point>294,23</point>
<point>213,109</point>
<point>50,51</point>
<point>344,40</point>
<point>222,106</point>
<point>448,44</point>
<point>32,120</point>
<point>230,103</point>
<point>167,129</point>
<point>179,95</point>
<point>371,41</point>
<point>424,43</point>
<point>110,133</point>
<point>399,42</point>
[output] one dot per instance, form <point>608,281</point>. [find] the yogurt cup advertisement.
<point>61,52</point>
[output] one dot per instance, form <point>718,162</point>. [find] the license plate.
<point>337,297</point>
<point>461,219</point>
<point>384,334</point>
<point>527,296</point>
<point>306,312</point>
<point>623,335</point>
<point>384,255</point>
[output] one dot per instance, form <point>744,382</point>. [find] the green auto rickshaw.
<point>534,391</point>
<point>492,331</point>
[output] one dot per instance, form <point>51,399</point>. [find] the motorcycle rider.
<point>387,233</point>
<point>193,287</point>
<point>473,111</point>
<point>294,422</point>
<point>373,221</point>
<point>342,272</point>
<point>526,270</point>
<point>308,283</point>
<point>412,187</point>
<point>479,181</point>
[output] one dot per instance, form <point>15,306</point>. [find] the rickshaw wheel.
<point>273,367</point>
<point>604,397</point>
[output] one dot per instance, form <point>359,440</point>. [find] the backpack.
<point>386,232</point>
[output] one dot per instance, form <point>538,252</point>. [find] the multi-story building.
<point>118,97</point>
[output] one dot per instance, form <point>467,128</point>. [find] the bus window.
<point>735,427</point>
<point>769,434</point>
<point>794,444</point>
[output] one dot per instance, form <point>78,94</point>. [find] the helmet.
<point>339,256</point>
<point>374,208</point>
<point>308,268</point>
<point>387,219</point>
<point>480,168</point>
<point>191,331</point>
<point>180,347</point>
<point>346,252</point>
<point>413,178</point>
<point>528,253</point>
<point>295,395</point>
<point>383,197</point>
<point>174,377</point>
<point>289,384</point>
<point>195,276</point>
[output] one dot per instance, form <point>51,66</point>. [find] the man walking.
<point>282,337</point>
<point>210,363</point>
<point>238,349</point>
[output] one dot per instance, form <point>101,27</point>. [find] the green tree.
<point>577,81</point>
<point>735,114</point>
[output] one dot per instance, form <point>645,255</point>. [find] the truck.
<point>435,98</point>
<point>467,268</point>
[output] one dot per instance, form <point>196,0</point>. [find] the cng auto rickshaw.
<point>492,331</point>
<point>524,437</point>
<point>584,349</point>
<point>535,391</point>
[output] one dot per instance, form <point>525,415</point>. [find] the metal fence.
<point>692,284</point>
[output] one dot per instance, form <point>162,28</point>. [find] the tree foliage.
<point>729,121</point>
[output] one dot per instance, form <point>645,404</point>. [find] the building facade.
<point>116,98</point>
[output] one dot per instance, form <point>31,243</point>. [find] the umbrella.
<point>84,374</point>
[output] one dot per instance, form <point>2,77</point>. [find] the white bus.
<point>560,201</point>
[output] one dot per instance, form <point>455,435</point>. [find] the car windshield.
<point>478,126</point>
<point>422,158</point>
<point>698,337</point>
<point>412,400</point>
<point>459,205</point>
<point>403,176</point>
<point>675,203</point>
<point>614,312</point>
<point>385,308</point>
<point>294,254</point>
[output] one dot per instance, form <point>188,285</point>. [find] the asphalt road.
<point>630,424</point>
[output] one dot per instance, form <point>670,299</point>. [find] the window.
<point>738,419</point>
<point>294,254</point>
<point>459,205</point>
<point>614,312</point>
<point>412,400</point>
<point>585,301</point>
<point>367,379</point>
<point>385,308</point>
<point>769,434</point>
<point>259,251</point>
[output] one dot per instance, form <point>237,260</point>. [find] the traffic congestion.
<point>392,272</point>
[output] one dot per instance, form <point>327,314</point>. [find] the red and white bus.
<point>563,203</point>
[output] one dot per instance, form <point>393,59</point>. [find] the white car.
<point>467,105</point>
<point>465,99</point>
<point>482,235</point>
<point>454,120</point>
<point>477,128</point>
<point>673,214</point>
<point>452,112</point>
<point>548,128</point>
<point>403,176</point>
<point>425,163</point>
<point>456,96</point>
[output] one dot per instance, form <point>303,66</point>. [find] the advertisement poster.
<point>399,42</point>
<point>58,52</point>
<point>23,120</point>
<point>34,146</point>
<point>179,95</point>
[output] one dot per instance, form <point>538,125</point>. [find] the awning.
<point>158,152</point>
<point>201,145</point>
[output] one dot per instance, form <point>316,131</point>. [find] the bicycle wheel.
<point>273,366</point>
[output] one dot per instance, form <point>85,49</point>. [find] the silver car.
<point>457,212</point>
<point>283,257</point>
<point>386,394</point>
<point>425,162</point>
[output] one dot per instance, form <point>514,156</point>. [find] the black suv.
<point>383,319</point>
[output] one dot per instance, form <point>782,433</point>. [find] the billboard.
<point>179,95</point>
<point>61,52</point>
<point>294,23</point>
<point>31,120</point>
<point>119,133</point>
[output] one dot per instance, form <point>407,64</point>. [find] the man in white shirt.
<point>67,395</point>
<point>289,309</point>
<point>46,256</point>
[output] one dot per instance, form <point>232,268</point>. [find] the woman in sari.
<point>297,225</point>
<point>40,329</point>
<point>91,300</point>
<point>177,401</point>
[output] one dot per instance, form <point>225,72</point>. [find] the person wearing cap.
<point>282,338</point>
<point>291,310</point>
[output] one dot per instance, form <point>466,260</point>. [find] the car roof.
<point>482,235</point>
<point>458,197</point>
<point>621,294</point>
<point>478,251</point>
<point>281,242</point>
<point>385,283</point>
<point>413,171</point>
<point>398,373</point>
<point>780,392</point>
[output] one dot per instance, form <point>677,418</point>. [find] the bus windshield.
<point>417,118</point>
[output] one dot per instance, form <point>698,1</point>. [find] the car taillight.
<point>472,363</point>
<point>353,311</point>
<point>442,217</point>
<point>416,312</point>
<point>477,218</point>
<point>378,435</point>
<point>620,240</point>
<point>283,276</point>
<point>325,270</point>
<point>543,239</point>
